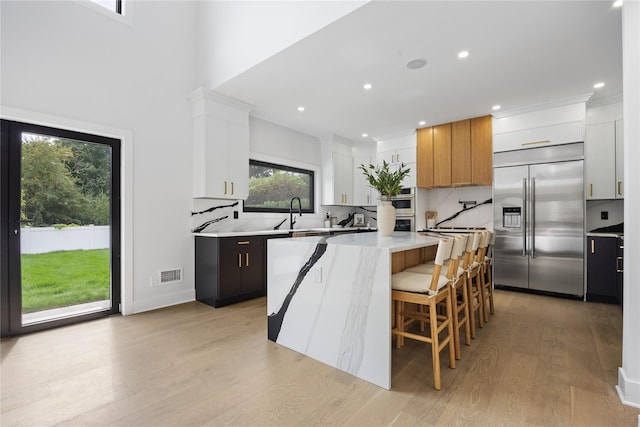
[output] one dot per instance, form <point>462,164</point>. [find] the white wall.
<point>66,63</point>
<point>629,373</point>
<point>258,30</point>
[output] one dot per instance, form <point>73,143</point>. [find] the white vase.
<point>386,218</point>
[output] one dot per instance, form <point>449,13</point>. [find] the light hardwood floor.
<point>540,361</point>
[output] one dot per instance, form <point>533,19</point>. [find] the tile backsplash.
<point>212,215</point>
<point>614,210</point>
<point>447,202</point>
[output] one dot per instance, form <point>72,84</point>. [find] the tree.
<point>48,188</point>
<point>90,165</point>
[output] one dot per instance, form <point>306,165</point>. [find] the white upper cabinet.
<point>554,123</point>
<point>363,194</point>
<point>342,179</point>
<point>406,155</point>
<point>337,172</point>
<point>604,153</point>
<point>604,161</point>
<point>397,151</point>
<point>221,146</point>
<point>600,161</point>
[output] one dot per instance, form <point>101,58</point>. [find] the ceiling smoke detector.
<point>416,64</point>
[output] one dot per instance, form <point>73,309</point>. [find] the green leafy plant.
<point>387,182</point>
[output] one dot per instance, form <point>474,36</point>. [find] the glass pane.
<point>65,232</point>
<point>271,187</point>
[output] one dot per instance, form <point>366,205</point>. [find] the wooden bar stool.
<point>459,297</point>
<point>426,290</point>
<point>474,286</point>
<point>487,284</point>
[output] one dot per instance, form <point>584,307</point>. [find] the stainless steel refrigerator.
<point>538,198</point>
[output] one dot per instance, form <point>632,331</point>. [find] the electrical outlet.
<point>604,215</point>
<point>235,214</point>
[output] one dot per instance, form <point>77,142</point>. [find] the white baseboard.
<point>161,301</point>
<point>628,390</point>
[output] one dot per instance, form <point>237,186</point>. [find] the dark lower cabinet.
<point>230,269</point>
<point>602,272</point>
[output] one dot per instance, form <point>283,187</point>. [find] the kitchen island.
<point>330,298</point>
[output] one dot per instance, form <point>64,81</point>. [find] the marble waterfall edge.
<point>339,311</point>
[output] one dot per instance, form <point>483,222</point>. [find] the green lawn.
<point>60,279</point>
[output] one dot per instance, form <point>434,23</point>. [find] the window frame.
<point>312,187</point>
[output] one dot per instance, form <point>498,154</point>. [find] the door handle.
<point>232,188</point>
<point>619,188</point>
<point>239,260</point>
<point>593,246</point>
<point>590,190</point>
<point>533,217</point>
<point>225,187</point>
<point>524,217</point>
<point>246,259</point>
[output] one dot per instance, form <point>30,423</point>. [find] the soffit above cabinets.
<point>521,53</point>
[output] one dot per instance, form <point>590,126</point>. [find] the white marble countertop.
<point>397,242</point>
<point>278,232</point>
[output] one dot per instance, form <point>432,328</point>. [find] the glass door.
<point>62,228</point>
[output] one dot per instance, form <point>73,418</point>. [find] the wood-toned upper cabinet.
<point>442,155</point>
<point>481,151</point>
<point>424,158</point>
<point>461,153</point>
<point>455,154</point>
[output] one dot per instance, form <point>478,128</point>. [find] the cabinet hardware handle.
<point>590,190</point>
<point>546,141</point>
<point>244,242</point>
<point>240,260</point>
<point>367,199</point>
<point>246,259</point>
<point>593,246</point>
<point>619,188</point>
<point>231,188</point>
<point>225,187</point>
<point>618,268</point>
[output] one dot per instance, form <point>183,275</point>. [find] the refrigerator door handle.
<point>533,217</point>
<point>524,217</point>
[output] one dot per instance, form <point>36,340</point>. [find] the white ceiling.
<point>521,53</point>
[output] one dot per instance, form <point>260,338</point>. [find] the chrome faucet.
<point>291,220</point>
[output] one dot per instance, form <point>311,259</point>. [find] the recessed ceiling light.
<point>617,3</point>
<point>598,85</point>
<point>367,86</point>
<point>301,108</point>
<point>463,54</point>
<point>364,135</point>
<point>495,107</point>
<point>422,123</point>
<point>415,64</point>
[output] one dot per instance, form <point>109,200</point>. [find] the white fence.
<point>48,239</point>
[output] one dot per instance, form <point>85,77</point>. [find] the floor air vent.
<point>170,276</point>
